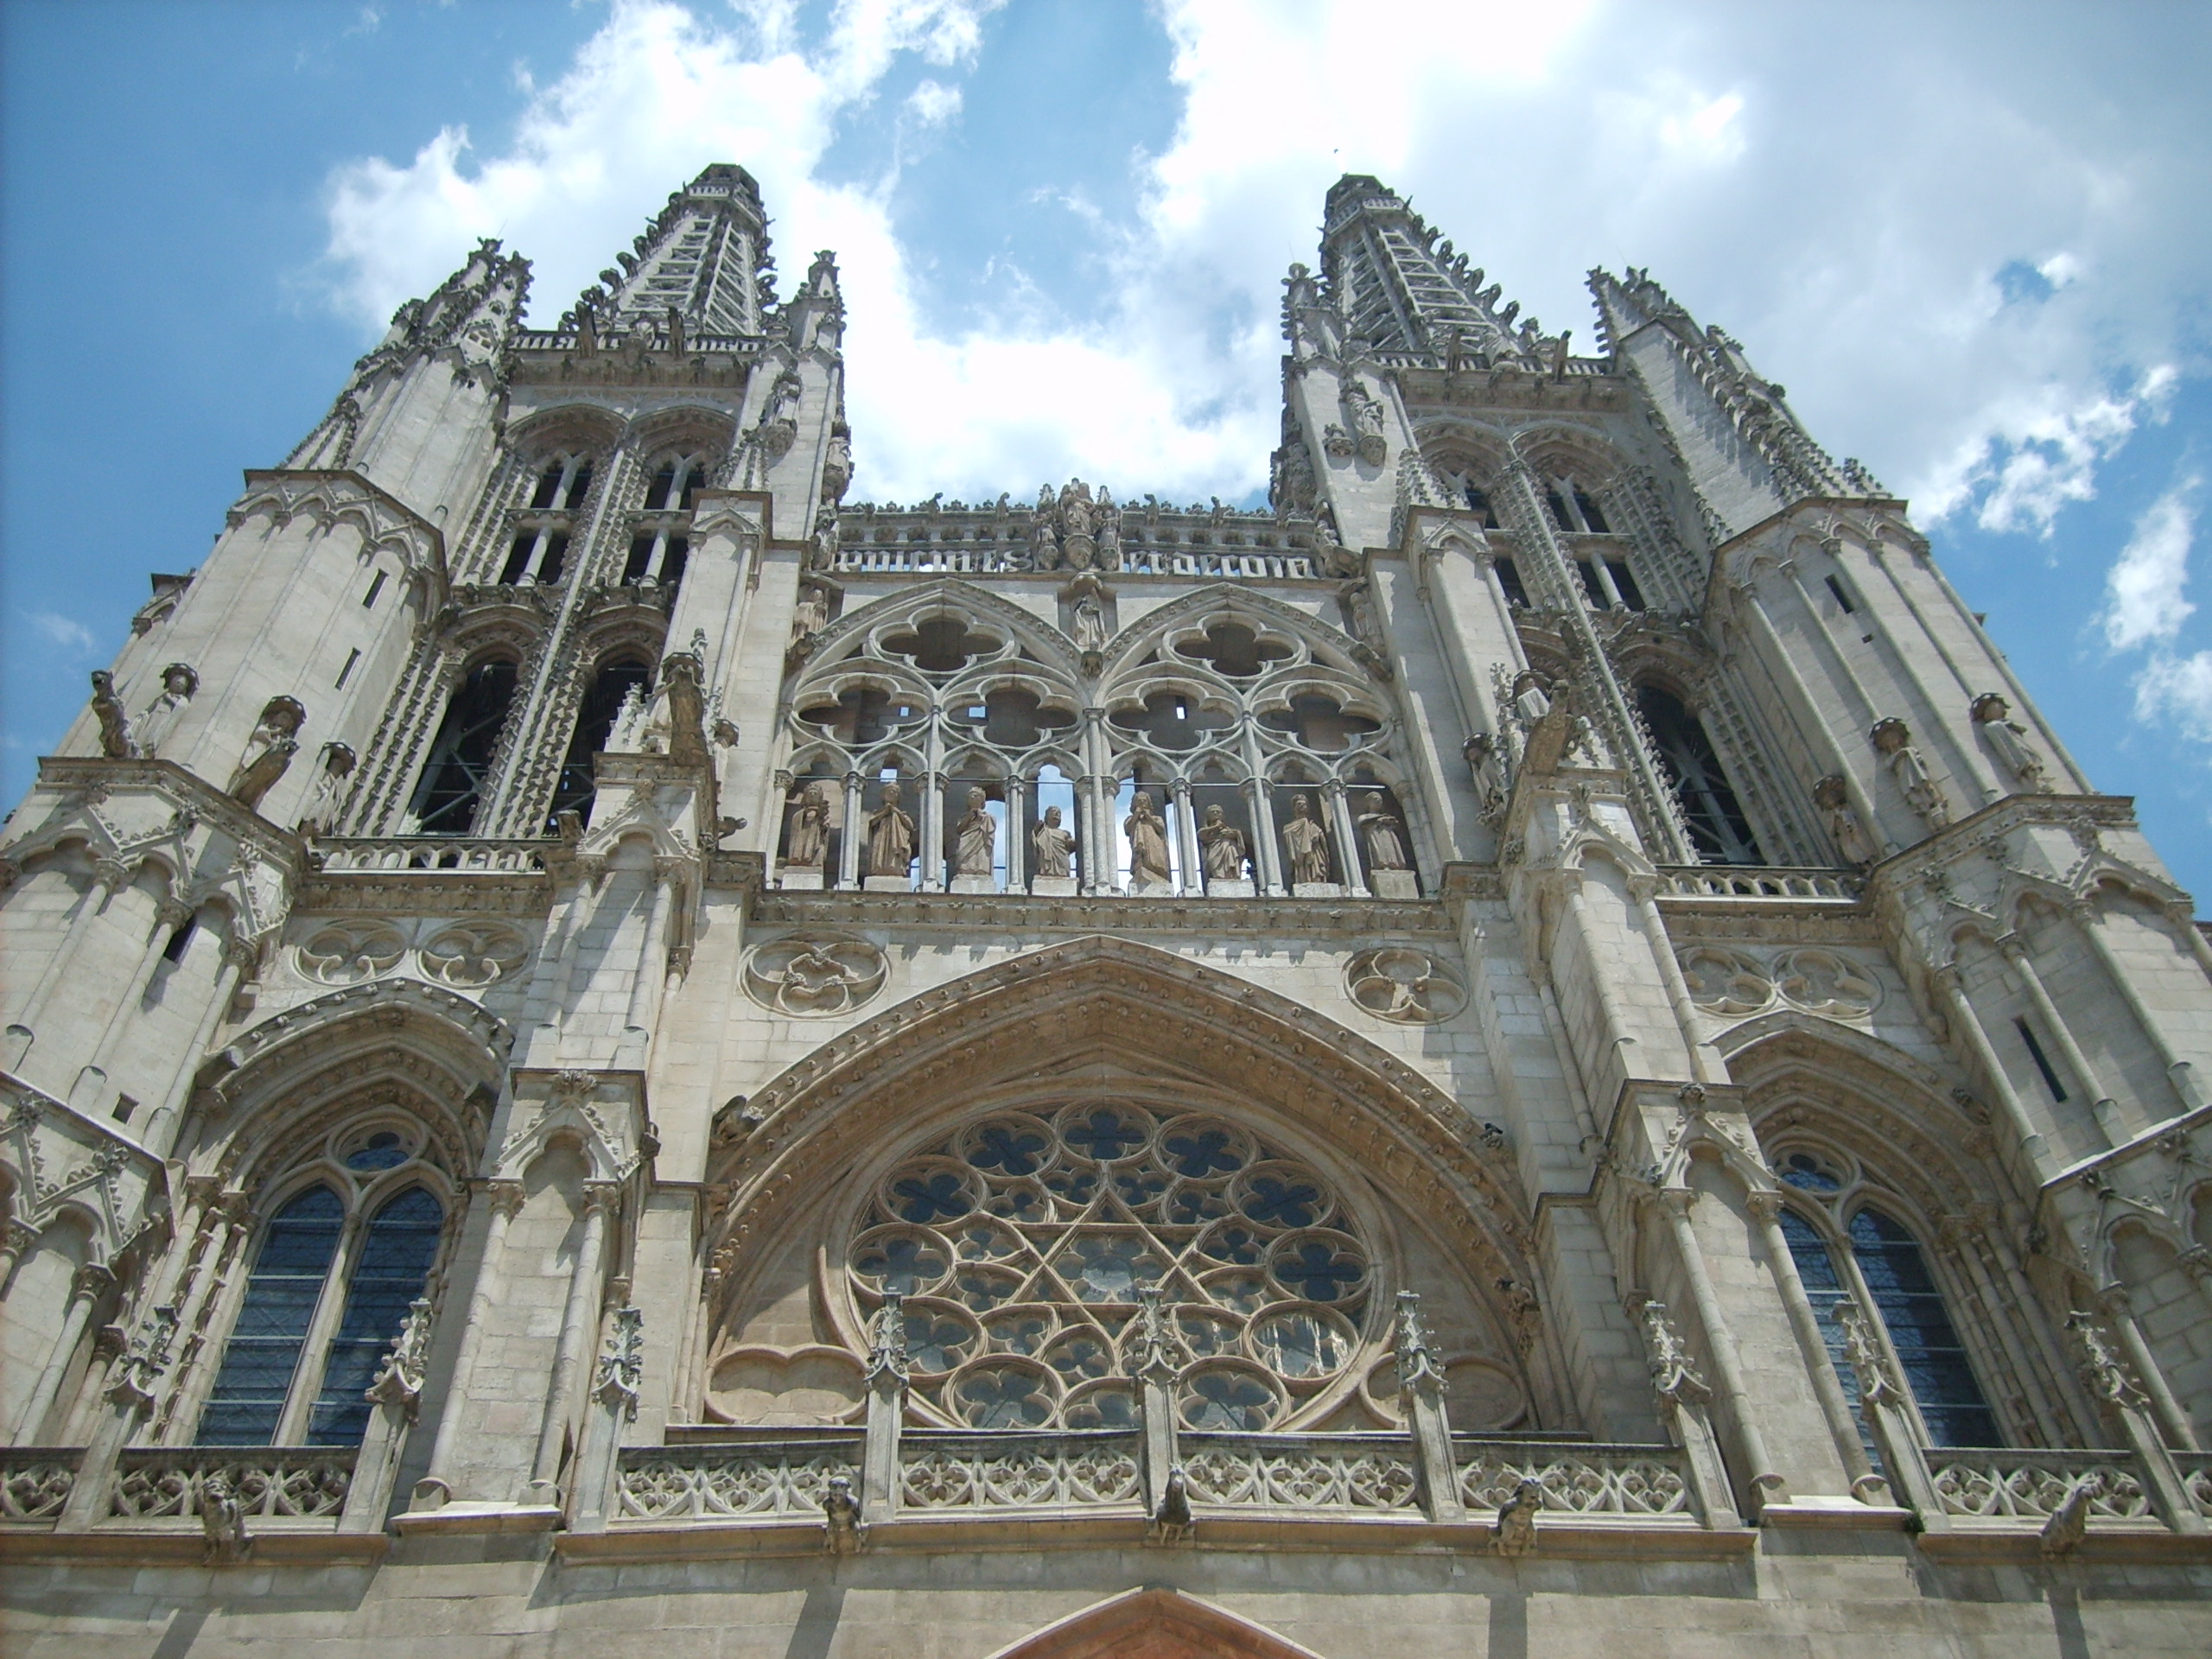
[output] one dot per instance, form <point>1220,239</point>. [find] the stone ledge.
<point>185,1545</point>
<point>1013,913</point>
<point>2146,1542</point>
<point>1835,1514</point>
<point>479,1517</point>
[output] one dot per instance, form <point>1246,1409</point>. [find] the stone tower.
<point>604,1046</point>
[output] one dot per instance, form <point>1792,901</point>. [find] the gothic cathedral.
<point>607,1047</point>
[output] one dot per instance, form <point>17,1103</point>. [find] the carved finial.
<point>399,1379</point>
<point>1675,1375</point>
<point>887,1354</point>
<point>1418,1369</point>
<point>1877,1383</point>
<point>2108,1374</point>
<point>622,1366</point>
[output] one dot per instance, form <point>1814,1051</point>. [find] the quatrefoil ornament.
<point>810,974</point>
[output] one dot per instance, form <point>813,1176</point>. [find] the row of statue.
<point>1224,850</point>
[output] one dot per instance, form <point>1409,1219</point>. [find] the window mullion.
<point>1846,1257</point>
<point>329,1307</point>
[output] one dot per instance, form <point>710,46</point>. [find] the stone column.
<point>849,850</point>
<point>2110,1379</point>
<point>1186,837</point>
<point>1684,1399</point>
<point>614,1402</point>
<point>91,1282</point>
<point>436,1487</point>
<point>1420,1392</point>
<point>1961,1238</point>
<point>1888,1410</point>
<point>237,956</point>
<point>1017,834</point>
<point>1155,1370</point>
<point>1765,1485</point>
<point>168,916</point>
<point>2103,1107</point>
<point>2118,1309</point>
<point>1620,1040</point>
<point>1337,805</point>
<point>1963,1018</point>
<point>577,1323</point>
<point>887,1408</point>
<point>1813,1350</point>
<point>129,1395</point>
<point>396,1393</point>
<point>2091,920</point>
<point>1267,856</point>
<point>1705,1064</point>
<point>931,833</point>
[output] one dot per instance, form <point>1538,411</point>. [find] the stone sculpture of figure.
<point>268,752</point>
<point>1306,843</point>
<point>975,838</point>
<point>1486,758</point>
<point>1531,702</point>
<point>1221,844</point>
<point>1055,847</point>
<point>1328,549</point>
<point>823,554</point>
<point>890,836</point>
<point>1365,420</point>
<point>2008,741</point>
<point>1075,508</point>
<point>1109,531</point>
<point>811,615</point>
<point>809,840</point>
<point>1915,781</point>
<point>222,1522</point>
<point>1383,834</point>
<point>329,795</point>
<point>1089,621</point>
<point>783,399</point>
<point>179,682</point>
<point>837,463</point>
<point>115,725</point>
<point>1147,834</point>
<point>1849,833</point>
<point>1044,538</point>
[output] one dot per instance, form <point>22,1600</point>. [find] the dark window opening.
<point>1927,1345</point>
<point>1508,578</point>
<point>1558,504</point>
<point>1624,584</point>
<point>694,481</point>
<point>180,940</point>
<point>347,673</point>
<point>640,560</point>
<point>458,768</point>
<point>672,563</point>
<point>1824,1288</point>
<point>1719,832</point>
<point>594,723</point>
<point>556,551</point>
<point>376,587</point>
<point>660,489</point>
<point>1478,501</point>
<point>579,486</point>
<point>548,484</point>
<point>124,1105</point>
<point>2043,1061</point>
<point>1591,516</point>
<point>1841,597</point>
<point>388,1273</point>
<point>1592,589</point>
<point>518,558</point>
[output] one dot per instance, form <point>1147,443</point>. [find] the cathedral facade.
<point>606,1047</point>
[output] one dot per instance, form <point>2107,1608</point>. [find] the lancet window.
<point>458,772</point>
<point>660,536</point>
<point>538,551</point>
<point>616,683</point>
<point>1720,831</point>
<point>343,1255</point>
<point>1846,1242</point>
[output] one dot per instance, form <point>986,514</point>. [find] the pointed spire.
<point>1395,287</point>
<point>704,258</point>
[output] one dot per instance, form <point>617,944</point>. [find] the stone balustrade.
<point>2006,1483</point>
<point>35,1482</point>
<point>438,855</point>
<point>287,1483</point>
<point>1795,886</point>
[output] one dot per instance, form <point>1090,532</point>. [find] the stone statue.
<point>1364,415</point>
<point>890,836</point>
<point>1893,739</point>
<point>809,840</point>
<point>2008,741</point>
<point>1531,702</point>
<point>823,554</point>
<point>1221,844</point>
<point>1055,847</point>
<point>268,752</point>
<point>837,463</point>
<point>179,682</point>
<point>1075,508</point>
<point>115,725</point>
<point>1383,836</point>
<point>1306,843</point>
<point>1147,834</point>
<point>975,838</point>
<point>1486,760</point>
<point>329,796</point>
<point>811,615</point>
<point>1044,538</point>
<point>1109,531</point>
<point>1851,838</point>
<point>1089,621</point>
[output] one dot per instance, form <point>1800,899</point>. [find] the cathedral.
<point>608,1048</point>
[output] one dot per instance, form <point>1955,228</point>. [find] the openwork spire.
<point>704,257</point>
<point>1395,285</point>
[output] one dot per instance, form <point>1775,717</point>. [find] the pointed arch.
<point>1154,1624</point>
<point>1055,648</point>
<point>1330,645</point>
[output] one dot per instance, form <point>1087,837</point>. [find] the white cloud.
<point>1845,227</point>
<point>64,632</point>
<point>2145,582</point>
<point>2180,689</point>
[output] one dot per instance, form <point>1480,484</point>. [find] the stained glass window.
<point>389,1269</point>
<point>1021,1245</point>
<point>281,1295</point>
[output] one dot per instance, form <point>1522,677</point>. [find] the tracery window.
<point>615,684</point>
<point>660,538</point>
<point>1720,831</point>
<point>1021,1242</point>
<point>1845,1245</point>
<point>336,1268</point>
<point>458,771</point>
<point>539,550</point>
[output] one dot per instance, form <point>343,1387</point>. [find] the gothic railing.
<point>768,1480</point>
<point>2195,1469</point>
<point>1634,1482</point>
<point>981,1472</point>
<point>2009,1484</point>
<point>1795,886</point>
<point>35,1482</point>
<point>436,855</point>
<point>293,1483</point>
<point>1303,1474</point>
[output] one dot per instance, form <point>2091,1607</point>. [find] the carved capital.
<point>1765,1206</point>
<point>506,1197</point>
<point>91,1279</point>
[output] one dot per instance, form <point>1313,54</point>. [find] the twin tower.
<point>604,1043</point>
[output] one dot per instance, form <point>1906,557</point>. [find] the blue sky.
<point>1969,238</point>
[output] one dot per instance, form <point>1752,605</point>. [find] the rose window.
<point>1021,1244</point>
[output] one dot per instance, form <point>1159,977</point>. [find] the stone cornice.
<point>1964,837</point>
<point>1005,914</point>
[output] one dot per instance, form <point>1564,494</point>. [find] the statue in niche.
<point>1329,550</point>
<point>1306,843</point>
<point>1892,739</point>
<point>810,615</point>
<point>1055,847</point>
<point>1075,508</point>
<point>115,724</point>
<point>1221,844</point>
<point>1486,760</point>
<point>1044,536</point>
<point>975,837</point>
<point>268,752</point>
<point>1089,621</point>
<point>1849,835</point>
<point>809,840</point>
<point>1364,415</point>
<point>1147,834</point>
<point>179,682</point>
<point>2008,741</point>
<point>1383,834</point>
<point>837,463</point>
<point>890,836</point>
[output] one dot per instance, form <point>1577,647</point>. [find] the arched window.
<point>596,715</point>
<point>1719,833</point>
<point>660,543</point>
<point>459,769</point>
<point>540,547</point>
<point>1879,1263</point>
<point>329,1290</point>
